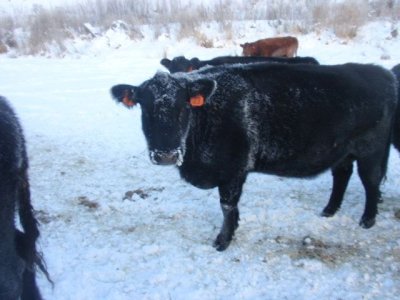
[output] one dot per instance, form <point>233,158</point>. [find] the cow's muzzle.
<point>173,157</point>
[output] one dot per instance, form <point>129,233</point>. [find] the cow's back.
<point>217,61</point>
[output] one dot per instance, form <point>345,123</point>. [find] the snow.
<point>114,226</point>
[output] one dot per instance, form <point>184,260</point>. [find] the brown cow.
<point>276,47</point>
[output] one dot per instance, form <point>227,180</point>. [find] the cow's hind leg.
<point>229,198</point>
<point>341,176</point>
<point>372,170</point>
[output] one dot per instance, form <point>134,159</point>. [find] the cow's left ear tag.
<point>127,99</point>
<point>197,101</point>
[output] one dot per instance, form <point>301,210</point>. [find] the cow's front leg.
<point>229,197</point>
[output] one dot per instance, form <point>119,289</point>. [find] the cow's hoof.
<point>328,212</point>
<point>367,223</point>
<point>221,243</point>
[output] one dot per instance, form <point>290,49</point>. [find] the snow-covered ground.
<point>116,227</point>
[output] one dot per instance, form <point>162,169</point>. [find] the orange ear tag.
<point>128,102</point>
<point>197,101</point>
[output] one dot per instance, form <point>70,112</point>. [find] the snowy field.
<point>116,227</point>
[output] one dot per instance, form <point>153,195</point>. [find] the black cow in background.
<point>218,124</point>
<point>396,138</point>
<point>18,255</point>
<point>182,64</point>
<point>396,72</point>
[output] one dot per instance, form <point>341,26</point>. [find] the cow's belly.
<point>303,165</point>
<point>293,169</point>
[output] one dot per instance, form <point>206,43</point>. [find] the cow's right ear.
<point>166,62</point>
<point>125,93</point>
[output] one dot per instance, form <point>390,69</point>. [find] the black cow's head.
<point>180,64</point>
<point>166,102</point>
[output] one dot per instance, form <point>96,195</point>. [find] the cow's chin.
<point>165,158</point>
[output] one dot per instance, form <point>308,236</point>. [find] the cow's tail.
<point>26,240</point>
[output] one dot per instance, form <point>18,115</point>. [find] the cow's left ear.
<point>200,91</point>
<point>125,93</point>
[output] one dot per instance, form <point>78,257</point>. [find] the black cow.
<point>218,124</point>
<point>182,64</point>
<point>18,254</point>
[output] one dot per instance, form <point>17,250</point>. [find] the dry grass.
<point>344,18</point>
<point>53,26</point>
